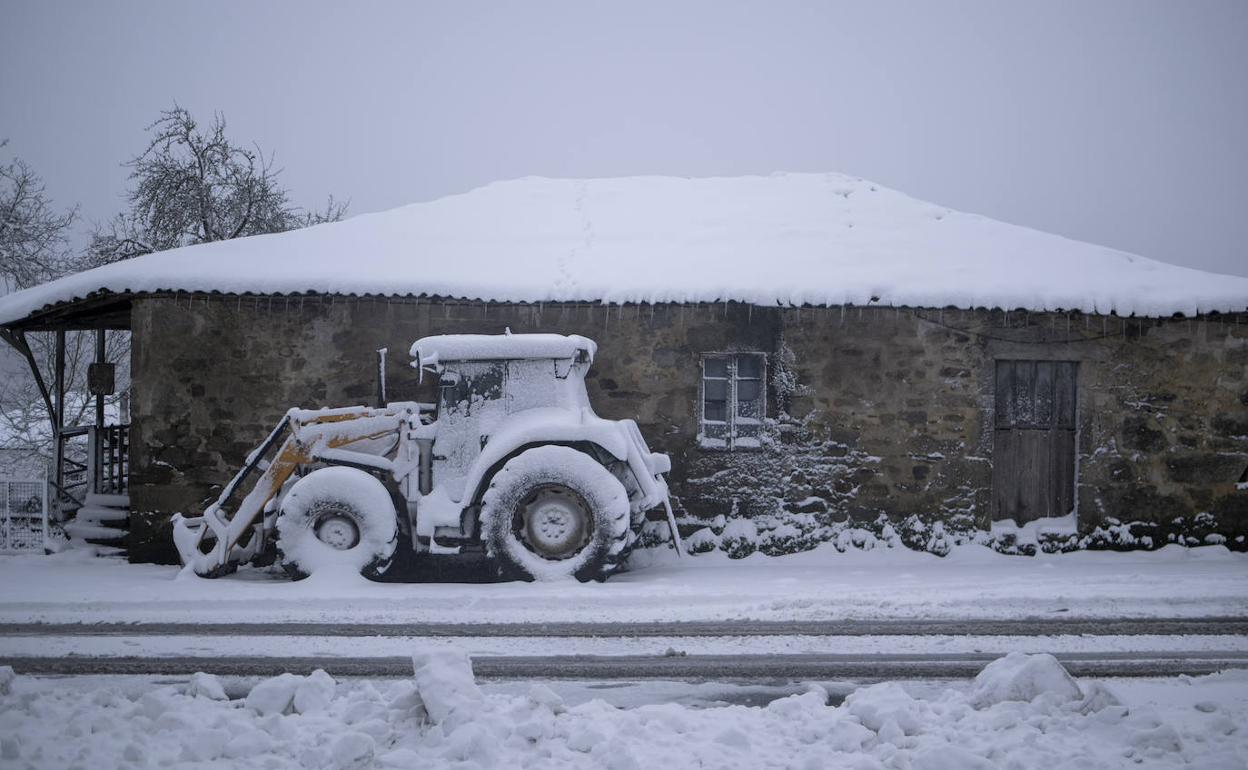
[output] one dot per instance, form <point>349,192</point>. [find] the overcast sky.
<point>1118,122</point>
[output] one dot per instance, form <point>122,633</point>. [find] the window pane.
<point>715,410</point>
<point>751,409</point>
<point>715,367</point>
<point>749,390</point>
<point>715,431</point>
<point>749,430</point>
<point>715,390</point>
<point>750,367</point>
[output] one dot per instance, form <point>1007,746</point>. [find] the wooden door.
<point>1033,462</point>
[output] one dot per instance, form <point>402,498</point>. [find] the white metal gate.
<point>23,515</point>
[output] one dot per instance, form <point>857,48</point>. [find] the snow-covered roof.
<point>788,239</point>
<point>440,348</point>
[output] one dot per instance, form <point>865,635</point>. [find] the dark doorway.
<point>1033,463</point>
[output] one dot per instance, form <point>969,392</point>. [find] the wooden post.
<point>97,439</point>
<point>58,377</point>
<point>99,359</point>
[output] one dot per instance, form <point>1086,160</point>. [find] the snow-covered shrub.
<point>739,539</point>
<point>703,540</point>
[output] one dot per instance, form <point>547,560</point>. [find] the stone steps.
<point>102,523</point>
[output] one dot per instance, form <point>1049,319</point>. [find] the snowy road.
<point>822,586</point>
<point>697,650</point>
<point>863,668</point>
<point>1029,626</point>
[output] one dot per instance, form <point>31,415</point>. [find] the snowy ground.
<point>1021,712</point>
<point>972,582</point>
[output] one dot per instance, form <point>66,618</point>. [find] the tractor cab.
<point>485,379</point>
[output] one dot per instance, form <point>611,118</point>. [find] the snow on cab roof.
<point>785,239</point>
<point>441,348</point>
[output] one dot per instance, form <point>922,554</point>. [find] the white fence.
<point>23,515</point>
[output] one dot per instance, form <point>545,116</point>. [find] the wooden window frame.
<point>732,440</point>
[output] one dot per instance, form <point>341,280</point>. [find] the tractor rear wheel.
<point>553,512</point>
<point>337,518</point>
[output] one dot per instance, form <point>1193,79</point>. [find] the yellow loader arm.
<point>218,541</point>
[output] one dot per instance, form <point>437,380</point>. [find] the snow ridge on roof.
<point>784,239</point>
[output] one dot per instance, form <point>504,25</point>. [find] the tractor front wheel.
<point>337,518</point>
<point>553,512</point>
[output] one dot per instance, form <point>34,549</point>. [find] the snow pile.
<point>205,686</point>
<point>291,694</point>
<point>783,239</point>
<point>445,683</point>
<point>1020,677</point>
<point>442,718</point>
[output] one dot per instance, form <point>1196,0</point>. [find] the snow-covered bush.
<point>739,539</point>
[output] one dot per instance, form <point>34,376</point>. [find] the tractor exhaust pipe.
<point>381,377</point>
<point>424,467</point>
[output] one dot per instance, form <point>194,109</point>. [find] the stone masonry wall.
<point>870,410</point>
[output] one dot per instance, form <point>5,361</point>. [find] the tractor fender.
<point>543,426</point>
<point>603,438</point>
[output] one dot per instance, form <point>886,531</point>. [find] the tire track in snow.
<point>1207,626</point>
<point>717,667</point>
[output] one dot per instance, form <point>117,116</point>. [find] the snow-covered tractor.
<point>511,458</point>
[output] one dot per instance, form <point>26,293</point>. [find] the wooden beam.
<point>100,311</point>
<point>17,340</point>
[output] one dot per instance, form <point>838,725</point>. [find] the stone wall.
<point>871,410</point>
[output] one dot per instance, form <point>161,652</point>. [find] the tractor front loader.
<point>217,542</point>
<point>510,459</point>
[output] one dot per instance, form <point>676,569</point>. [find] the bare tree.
<point>34,247</point>
<point>194,185</point>
<point>34,244</point>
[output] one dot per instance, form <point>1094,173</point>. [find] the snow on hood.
<point>785,239</point>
